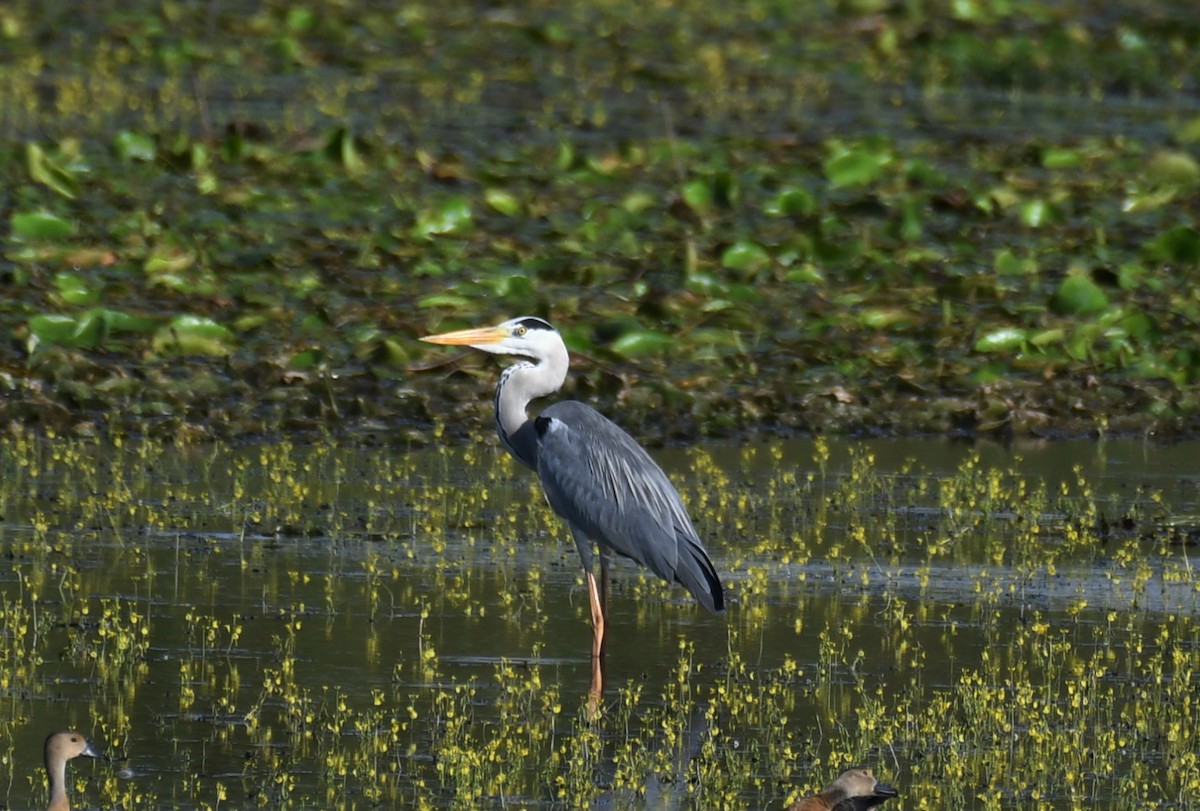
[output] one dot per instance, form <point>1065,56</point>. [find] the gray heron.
<point>594,475</point>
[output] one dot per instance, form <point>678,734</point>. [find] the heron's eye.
<point>521,331</point>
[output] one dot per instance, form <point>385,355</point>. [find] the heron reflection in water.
<point>605,485</point>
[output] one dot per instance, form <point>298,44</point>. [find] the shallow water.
<point>360,626</point>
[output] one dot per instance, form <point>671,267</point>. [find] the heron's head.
<point>528,336</point>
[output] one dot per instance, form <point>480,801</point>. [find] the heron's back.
<point>607,487</point>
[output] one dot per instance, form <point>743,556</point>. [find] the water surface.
<point>347,626</point>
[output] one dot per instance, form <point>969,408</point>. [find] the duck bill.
<point>884,791</point>
<point>482,336</point>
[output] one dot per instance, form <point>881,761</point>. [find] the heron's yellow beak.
<point>469,337</point>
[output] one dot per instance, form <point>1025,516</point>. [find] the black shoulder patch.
<point>541,425</point>
<point>532,322</point>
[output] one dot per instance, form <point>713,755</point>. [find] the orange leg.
<point>596,597</point>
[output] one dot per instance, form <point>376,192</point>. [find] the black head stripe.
<point>531,322</point>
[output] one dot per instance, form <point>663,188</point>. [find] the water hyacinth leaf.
<point>341,148</point>
<point>1171,169</point>
<point>393,353</point>
<point>193,335</point>
<point>91,329</point>
<point>1034,213</point>
<point>307,359</point>
<point>745,256</point>
<point>1180,244</point>
<point>1189,131</point>
<point>698,194</point>
<point>705,284</point>
<point>856,166</point>
<point>911,223</point>
<point>1079,295</point>
<point>1009,264</point>
<point>119,321</point>
<point>448,300</point>
<point>167,259</point>
<point>883,318</point>
<point>1048,337</point>
<point>515,286</point>
<point>1061,158</point>
<point>53,328</point>
<point>1141,326</point>
<point>638,201</point>
<point>565,157</point>
<point>807,273</point>
<point>134,146</point>
<point>37,226</point>
<point>503,201</point>
<point>642,342</point>
<point>43,169</point>
<point>792,201</point>
<point>1141,201</point>
<point>74,289</point>
<point>450,216</point>
<point>724,189</point>
<point>1005,339</point>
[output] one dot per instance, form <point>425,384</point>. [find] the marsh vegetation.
<point>340,626</point>
<point>969,217</point>
<point>258,548</point>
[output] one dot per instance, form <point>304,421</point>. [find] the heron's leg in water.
<point>596,692</point>
<point>595,599</point>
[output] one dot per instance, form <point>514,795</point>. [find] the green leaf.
<point>792,202</point>
<point>134,146</point>
<point>341,148</point>
<point>450,216</point>
<point>1173,170</point>
<point>641,342</point>
<point>858,166</point>
<point>1048,337</point>
<point>44,170</point>
<point>124,322</point>
<point>1189,131</point>
<point>73,289</point>
<point>193,335</point>
<point>1079,295</point>
<point>167,259</point>
<point>1035,213</point>
<point>1009,264</point>
<point>1060,158</point>
<point>1141,326</point>
<point>444,300</point>
<point>503,201</point>
<point>37,226</point>
<point>698,194</point>
<point>1005,339</point>
<point>745,256</point>
<point>881,318</point>
<point>515,286</point>
<point>307,359</point>
<point>638,201</point>
<point>1180,244</point>
<point>91,329</point>
<point>53,328</point>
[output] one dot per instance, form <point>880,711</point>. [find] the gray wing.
<point>610,490</point>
